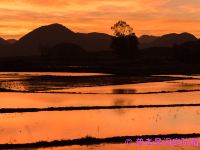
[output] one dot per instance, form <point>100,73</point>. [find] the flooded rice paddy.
<point>97,111</point>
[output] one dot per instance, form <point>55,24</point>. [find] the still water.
<point>43,90</point>
<point>48,126</point>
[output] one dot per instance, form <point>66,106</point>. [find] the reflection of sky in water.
<point>18,82</point>
<point>14,85</point>
<point>138,88</point>
<point>30,127</point>
<point>42,100</point>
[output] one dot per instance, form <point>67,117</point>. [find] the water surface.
<point>44,90</point>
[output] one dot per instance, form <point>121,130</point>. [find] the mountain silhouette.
<point>34,42</point>
<point>65,51</point>
<point>11,41</point>
<point>94,41</point>
<point>4,47</point>
<point>168,40</point>
<point>51,35</point>
<point>3,42</point>
<point>47,36</point>
<point>146,39</point>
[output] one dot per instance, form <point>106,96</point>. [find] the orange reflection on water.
<point>48,126</point>
<point>192,84</point>
<point>42,100</point>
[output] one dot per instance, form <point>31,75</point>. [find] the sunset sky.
<point>155,17</point>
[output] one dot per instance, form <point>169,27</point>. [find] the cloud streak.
<point>146,16</point>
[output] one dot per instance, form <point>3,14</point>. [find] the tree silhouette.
<point>125,42</point>
<point>121,29</point>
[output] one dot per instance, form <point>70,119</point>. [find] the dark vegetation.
<point>64,52</point>
<point>188,52</point>
<point>124,43</point>
<point>93,141</point>
<point>23,110</point>
<point>56,48</point>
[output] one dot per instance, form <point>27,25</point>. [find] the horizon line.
<point>156,35</point>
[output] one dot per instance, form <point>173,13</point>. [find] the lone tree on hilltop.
<point>124,43</point>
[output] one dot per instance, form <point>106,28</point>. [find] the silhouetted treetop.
<point>121,29</point>
<point>125,42</point>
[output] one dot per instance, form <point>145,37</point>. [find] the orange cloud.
<point>146,16</point>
